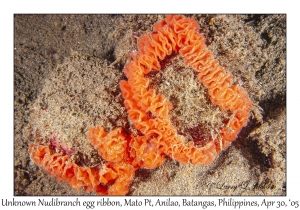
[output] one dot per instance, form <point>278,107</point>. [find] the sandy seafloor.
<point>66,74</point>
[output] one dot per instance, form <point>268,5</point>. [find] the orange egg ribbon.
<point>148,112</point>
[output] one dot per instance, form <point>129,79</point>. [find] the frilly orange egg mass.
<point>148,112</point>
